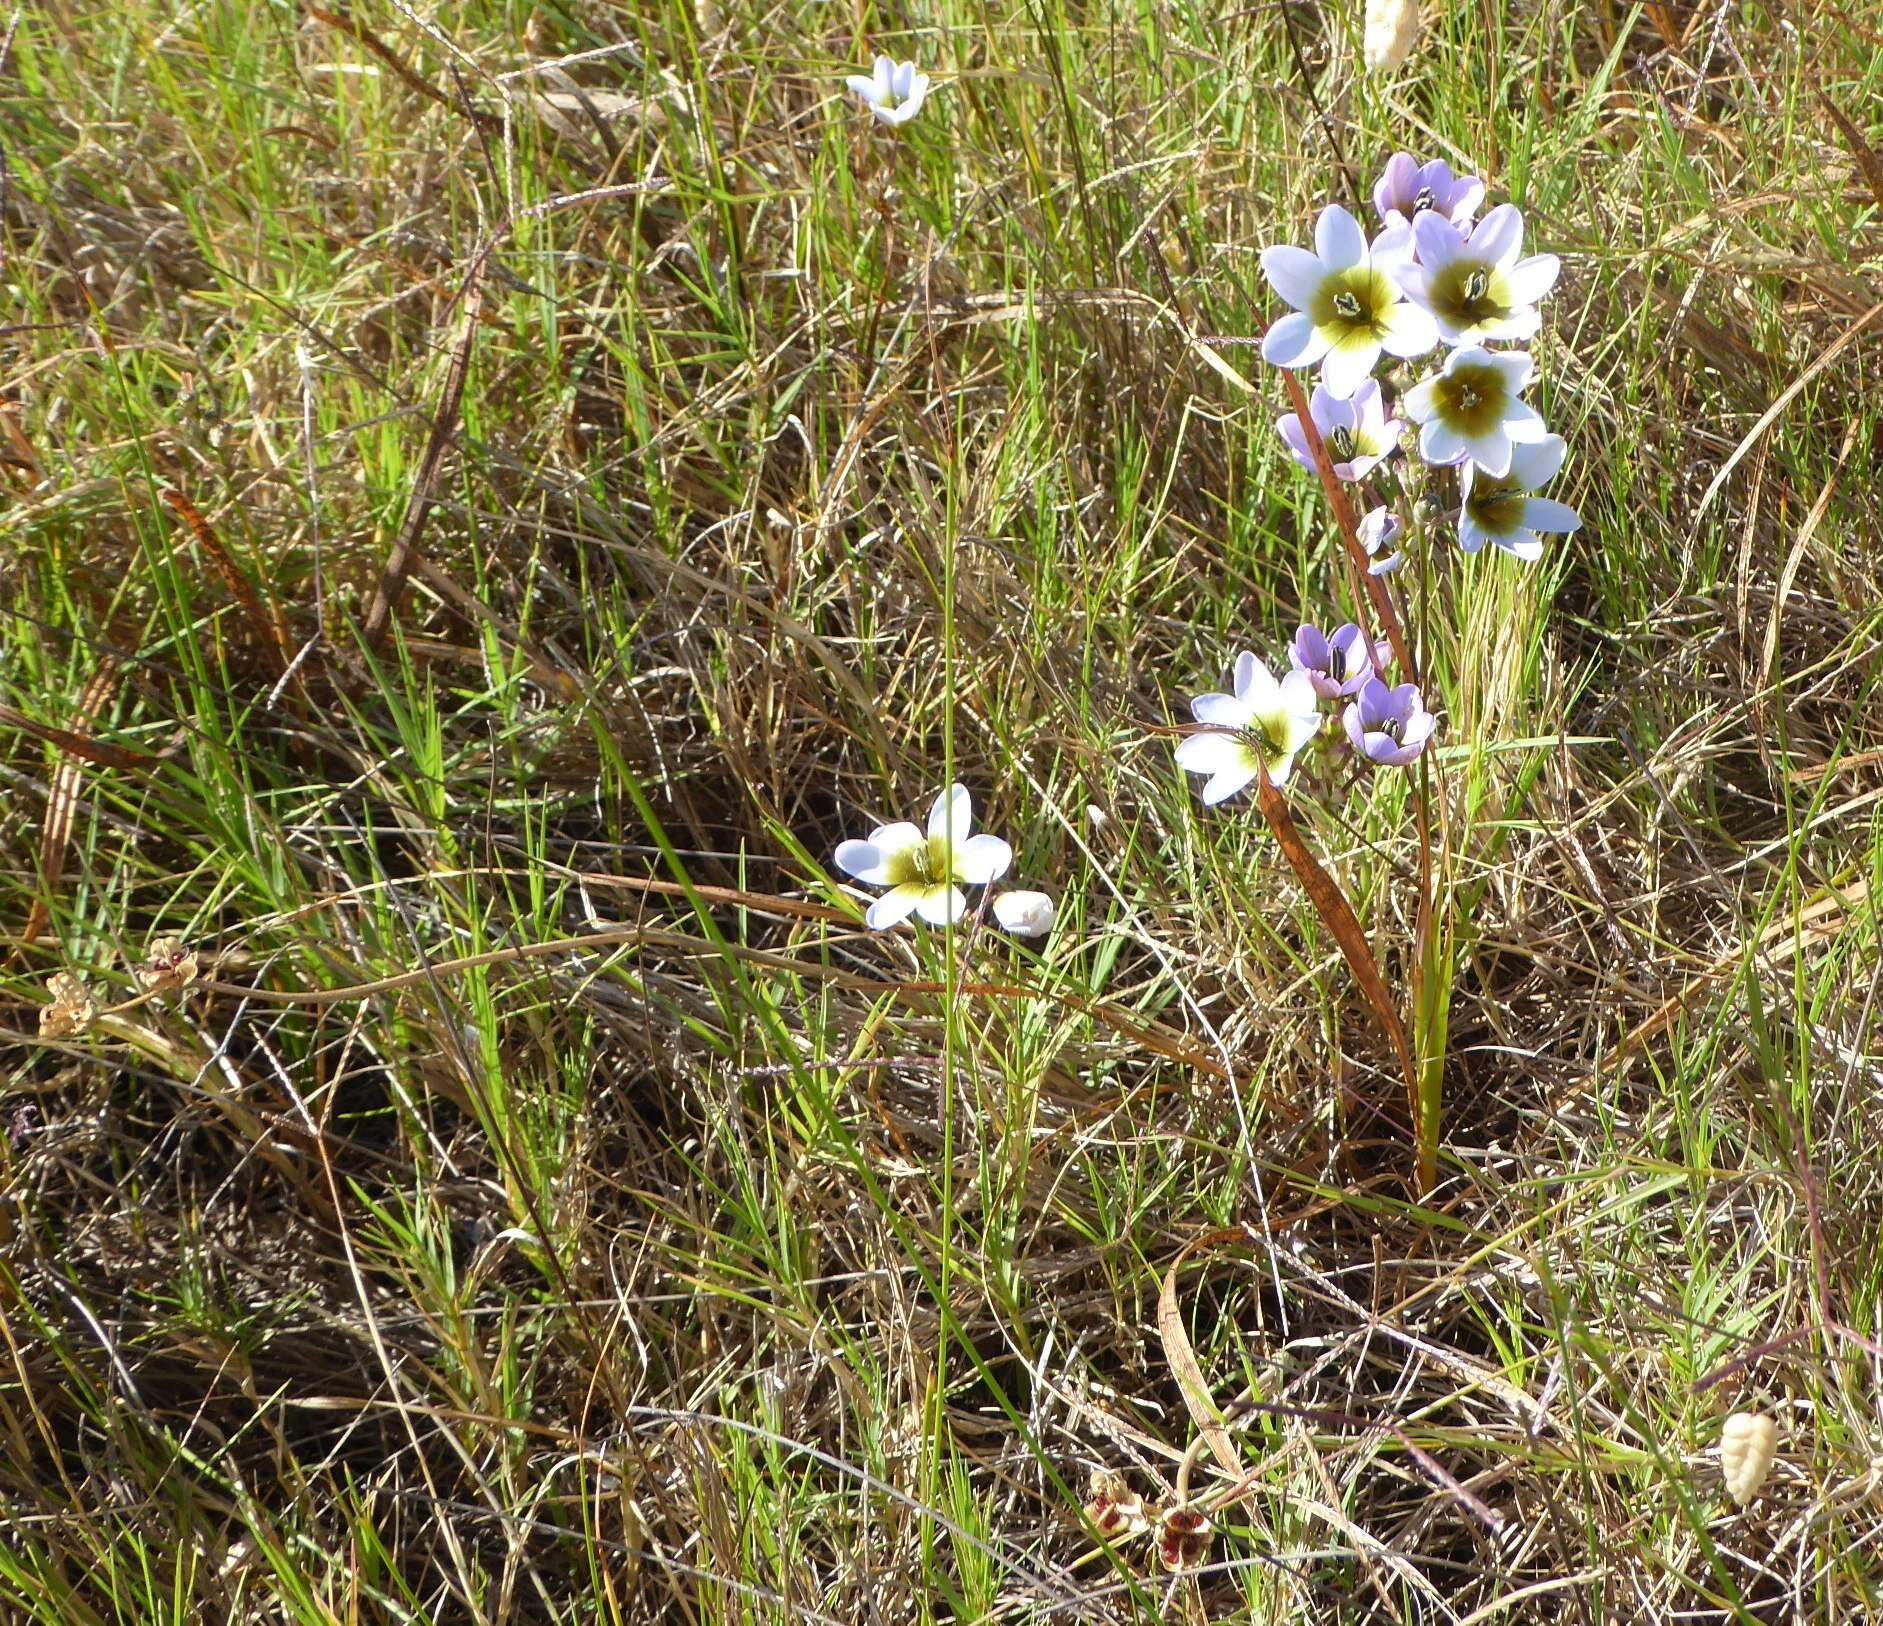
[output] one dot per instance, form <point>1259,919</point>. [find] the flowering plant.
<point>1435,275</point>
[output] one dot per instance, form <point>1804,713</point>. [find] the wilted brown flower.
<point>71,1010</point>
<point>167,966</point>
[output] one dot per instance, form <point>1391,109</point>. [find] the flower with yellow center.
<point>925,872</point>
<point>1505,513</point>
<point>1262,726</point>
<point>1478,287</point>
<point>1470,409</point>
<point>1348,310</point>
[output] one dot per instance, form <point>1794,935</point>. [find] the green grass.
<point>549,1204</point>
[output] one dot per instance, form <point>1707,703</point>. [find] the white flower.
<point>925,873</point>
<point>1476,287</point>
<point>1262,725</point>
<point>894,92</point>
<point>1347,307</point>
<point>1504,512</point>
<point>1470,409</point>
<point>1379,529</point>
<point>1392,29</point>
<point>1025,914</point>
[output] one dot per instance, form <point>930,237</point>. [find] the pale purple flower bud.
<point>1336,664</point>
<point>1379,529</point>
<point>1389,727</point>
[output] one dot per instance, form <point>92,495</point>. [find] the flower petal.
<point>1524,545</point>
<point>1439,445</point>
<point>941,905</point>
<point>1395,248</point>
<point>1399,179</point>
<point>1543,514</point>
<point>891,840</point>
<point>894,906</point>
<point>1230,780</point>
<point>952,816</point>
<point>1411,330</point>
<point>1437,241</point>
<point>1295,694</point>
<point>1025,914</point>
<point>1498,237</point>
<point>1209,753</point>
<point>862,860</point>
<point>1537,464</point>
<point>1294,341</point>
<point>1293,273</point>
<point>862,85</point>
<point>1290,430</point>
<point>1350,363</point>
<point>981,859</point>
<point>1516,366</point>
<point>1522,422</point>
<point>1490,451</point>
<point>1255,683</point>
<point>1530,279</point>
<point>1221,711</point>
<point>1338,239</point>
<point>1418,401</point>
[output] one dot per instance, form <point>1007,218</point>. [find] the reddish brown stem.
<point>1367,584</point>
<point>1336,913</point>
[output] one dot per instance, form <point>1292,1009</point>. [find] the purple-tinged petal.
<point>1439,242</point>
<point>1544,514</point>
<point>1530,279</point>
<point>1498,237</point>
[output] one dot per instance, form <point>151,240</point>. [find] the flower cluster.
<point>1433,276</point>
<point>1264,725</point>
<point>925,871</point>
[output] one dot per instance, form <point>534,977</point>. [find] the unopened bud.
<point>1392,29</point>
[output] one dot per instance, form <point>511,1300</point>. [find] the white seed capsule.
<point>1748,1443</point>
<point>1392,29</point>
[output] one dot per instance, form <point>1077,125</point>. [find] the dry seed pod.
<point>1391,31</point>
<point>1748,1443</point>
<point>169,965</point>
<point>1183,1538</point>
<point>1115,1509</point>
<point>71,1010</point>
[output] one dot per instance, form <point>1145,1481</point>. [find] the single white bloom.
<point>894,92</point>
<point>1264,724</point>
<point>1505,513</point>
<point>1477,287</point>
<point>1748,1445</point>
<point>1392,29</point>
<point>925,873</point>
<point>1347,306</point>
<point>1025,914</point>
<point>1470,408</point>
